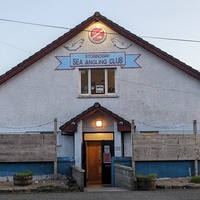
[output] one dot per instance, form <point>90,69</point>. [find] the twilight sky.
<point>172,19</point>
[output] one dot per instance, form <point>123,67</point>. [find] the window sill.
<point>97,96</point>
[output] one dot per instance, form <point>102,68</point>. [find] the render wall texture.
<point>158,96</point>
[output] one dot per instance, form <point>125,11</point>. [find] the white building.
<point>98,71</point>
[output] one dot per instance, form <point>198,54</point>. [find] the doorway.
<point>97,160</point>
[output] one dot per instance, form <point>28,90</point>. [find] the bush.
<point>71,182</point>
<point>150,176</point>
<point>195,179</point>
<point>141,176</point>
<point>24,174</point>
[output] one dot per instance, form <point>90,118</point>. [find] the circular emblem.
<point>97,34</point>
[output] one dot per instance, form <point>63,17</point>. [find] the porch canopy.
<point>71,125</point>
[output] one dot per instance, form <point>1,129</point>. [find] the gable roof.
<point>120,30</point>
<point>71,125</point>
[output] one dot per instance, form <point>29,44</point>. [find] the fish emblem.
<point>76,45</point>
<point>119,44</point>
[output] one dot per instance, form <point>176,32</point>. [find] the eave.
<point>115,27</point>
<point>71,125</point>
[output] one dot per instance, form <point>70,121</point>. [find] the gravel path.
<point>34,185</point>
<point>176,183</point>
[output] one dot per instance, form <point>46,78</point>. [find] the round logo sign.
<point>97,34</point>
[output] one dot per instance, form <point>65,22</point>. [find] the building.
<point>98,71</point>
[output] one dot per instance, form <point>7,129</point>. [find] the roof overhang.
<point>71,125</point>
<point>97,17</point>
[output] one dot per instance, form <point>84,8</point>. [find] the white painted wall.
<point>117,141</point>
<point>78,139</point>
<point>127,145</point>
<point>65,147</point>
<point>158,96</point>
<point>89,124</point>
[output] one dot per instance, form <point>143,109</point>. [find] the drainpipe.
<point>55,159</point>
<point>196,173</point>
<point>132,145</point>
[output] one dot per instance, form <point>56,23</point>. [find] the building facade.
<point>98,71</point>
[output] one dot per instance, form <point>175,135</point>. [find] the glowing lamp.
<point>99,123</point>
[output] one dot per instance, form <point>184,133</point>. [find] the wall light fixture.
<point>99,123</point>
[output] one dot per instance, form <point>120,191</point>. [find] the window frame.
<point>106,94</point>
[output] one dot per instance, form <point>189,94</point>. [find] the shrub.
<point>71,182</point>
<point>195,179</point>
<point>24,174</point>
<point>150,176</point>
<point>141,176</point>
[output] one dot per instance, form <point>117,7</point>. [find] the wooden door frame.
<point>84,146</point>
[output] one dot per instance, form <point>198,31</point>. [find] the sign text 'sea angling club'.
<point>98,59</point>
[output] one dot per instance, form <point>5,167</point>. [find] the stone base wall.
<point>78,175</point>
<point>124,177</point>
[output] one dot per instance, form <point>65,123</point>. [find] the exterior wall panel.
<point>166,169</point>
<point>28,148</point>
<point>165,147</point>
